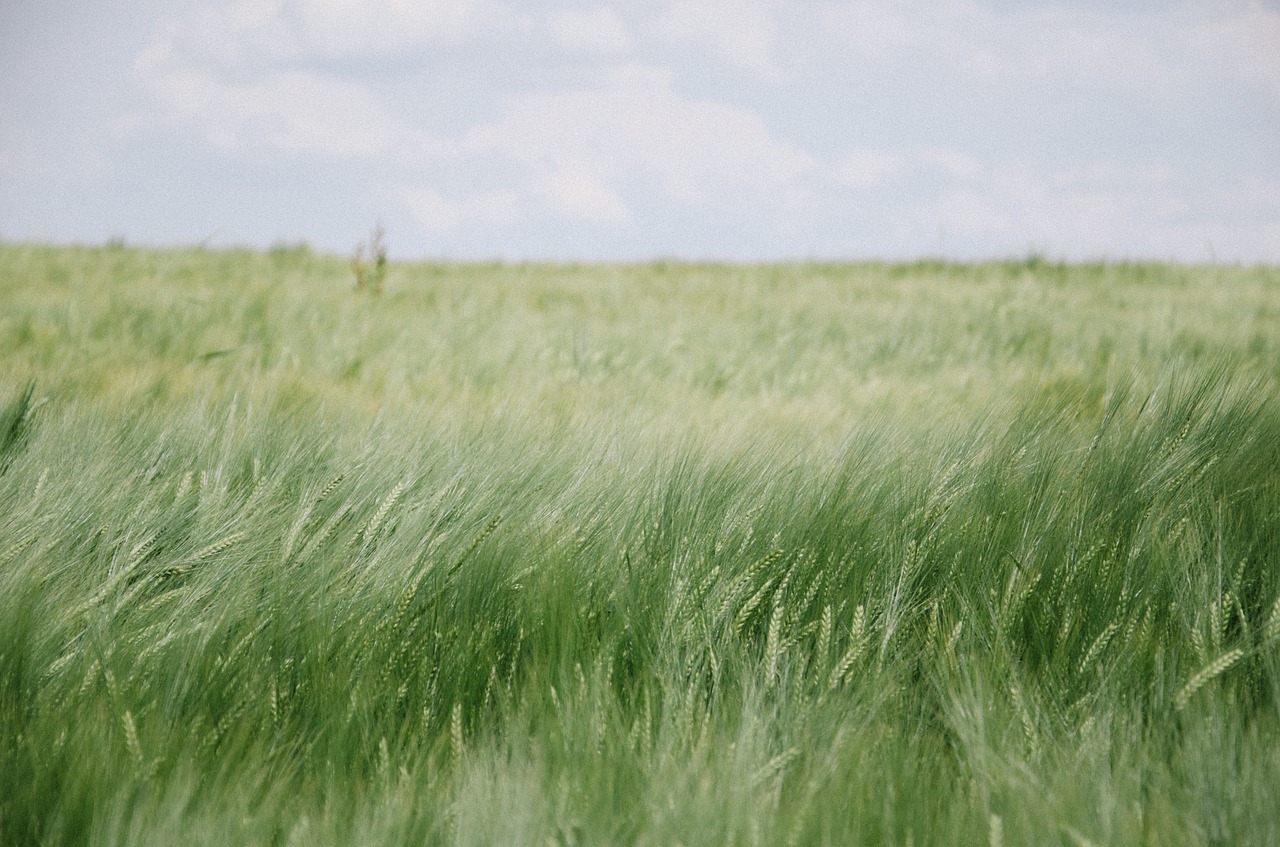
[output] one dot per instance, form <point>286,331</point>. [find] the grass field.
<point>655,554</point>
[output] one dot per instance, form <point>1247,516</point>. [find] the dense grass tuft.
<point>637,555</point>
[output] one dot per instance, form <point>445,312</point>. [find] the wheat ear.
<point>1206,674</point>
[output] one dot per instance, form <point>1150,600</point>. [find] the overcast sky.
<point>737,129</point>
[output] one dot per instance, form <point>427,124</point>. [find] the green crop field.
<point>647,554</point>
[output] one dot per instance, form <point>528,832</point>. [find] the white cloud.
<point>222,37</point>
<point>598,29</point>
<point>238,34</point>
<point>1106,173</point>
<point>1108,210</point>
<point>950,95</point>
<point>236,74</point>
<point>636,128</point>
<point>1247,42</point>
<point>576,192</point>
<point>1077,44</point>
<point>295,111</point>
<point>381,26</point>
<point>956,164</point>
<point>862,168</point>
<point>1139,50</point>
<point>868,28</point>
<point>439,214</point>
<point>738,32</point>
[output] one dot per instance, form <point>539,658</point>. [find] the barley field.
<point>654,554</point>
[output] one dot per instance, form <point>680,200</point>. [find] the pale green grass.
<point>657,554</point>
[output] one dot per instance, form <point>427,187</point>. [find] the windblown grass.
<point>637,555</point>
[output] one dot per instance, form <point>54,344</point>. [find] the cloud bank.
<point>745,130</point>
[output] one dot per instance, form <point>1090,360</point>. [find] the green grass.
<point>652,554</point>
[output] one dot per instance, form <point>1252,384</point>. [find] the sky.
<point>743,130</point>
